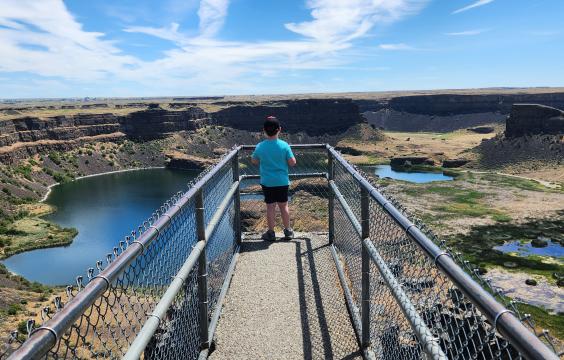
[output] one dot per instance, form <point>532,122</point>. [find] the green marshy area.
<point>27,230</point>
<point>477,201</point>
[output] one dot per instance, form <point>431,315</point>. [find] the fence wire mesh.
<point>107,327</point>
<point>461,330</point>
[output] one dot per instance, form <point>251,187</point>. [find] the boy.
<point>274,156</point>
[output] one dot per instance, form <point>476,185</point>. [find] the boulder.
<point>531,282</point>
<point>178,160</point>
<point>540,242</point>
<point>402,161</point>
<point>482,129</point>
<point>455,163</point>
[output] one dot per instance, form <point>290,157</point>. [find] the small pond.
<point>386,171</point>
<point>103,209</point>
<point>553,249</point>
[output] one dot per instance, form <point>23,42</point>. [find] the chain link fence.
<point>117,297</point>
<point>158,295</point>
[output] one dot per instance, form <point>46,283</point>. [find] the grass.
<point>542,318</point>
<point>32,232</point>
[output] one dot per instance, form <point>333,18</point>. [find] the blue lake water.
<point>104,209</point>
<point>412,176</point>
<point>524,249</point>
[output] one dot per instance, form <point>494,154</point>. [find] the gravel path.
<point>285,302</point>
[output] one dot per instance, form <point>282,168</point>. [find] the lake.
<point>104,209</point>
<point>411,176</point>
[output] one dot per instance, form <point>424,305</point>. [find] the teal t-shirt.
<point>273,156</point>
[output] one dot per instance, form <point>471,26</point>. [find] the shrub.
<point>89,152</point>
<point>55,157</point>
<point>13,309</point>
<point>22,327</point>
<point>6,191</point>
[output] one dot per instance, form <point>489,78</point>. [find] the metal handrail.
<point>502,319</point>
<point>45,337</point>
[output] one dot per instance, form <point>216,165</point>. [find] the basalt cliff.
<point>447,112</point>
<point>22,137</point>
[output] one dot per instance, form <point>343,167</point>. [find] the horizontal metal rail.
<point>293,146</point>
<point>502,319</point>
<point>45,337</point>
<point>430,343</point>
<point>291,176</point>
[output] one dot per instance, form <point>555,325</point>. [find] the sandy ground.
<point>543,294</point>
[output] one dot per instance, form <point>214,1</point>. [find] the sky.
<point>131,48</point>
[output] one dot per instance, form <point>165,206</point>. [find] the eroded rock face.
<point>447,112</point>
<point>402,161</point>
<point>312,116</point>
<point>455,163</point>
<point>534,119</point>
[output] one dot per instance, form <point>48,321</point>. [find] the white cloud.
<point>468,32</point>
<point>212,15</point>
<point>43,37</point>
<point>199,61</point>
<point>473,5</point>
<point>395,47</point>
<point>337,20</point>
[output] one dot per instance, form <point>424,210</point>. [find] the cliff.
<point>534,119</point>
<point>311,116</point>
<point>22,137</point>
<point>447,112</point>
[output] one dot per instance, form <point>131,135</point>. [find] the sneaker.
<point>270,235</point>
<point>288,234</point>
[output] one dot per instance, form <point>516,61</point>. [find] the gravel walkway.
<point>285,302</point>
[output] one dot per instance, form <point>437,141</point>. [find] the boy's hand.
<point>292,161</point>
<point>254,161</point>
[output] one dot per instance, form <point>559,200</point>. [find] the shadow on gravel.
<point>327,332</point>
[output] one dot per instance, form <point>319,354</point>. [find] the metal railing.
<point>160,295</point>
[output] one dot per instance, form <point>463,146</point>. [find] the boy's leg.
<point>271,215</point>
<point>285,213</point>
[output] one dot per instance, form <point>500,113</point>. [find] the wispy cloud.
<point>468,32</point>
<point>200,59</point>
<point>395,47</point>
<point>473,5</point>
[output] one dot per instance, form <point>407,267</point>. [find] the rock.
<point>531,282</point>
<point>178,160</point>
<point>482,129</point>
<point>312,116</point>
<point>560,282</point>
<point>454,163</point>
<point>402,161</point>
<point>510,265</point>
<point>540,242</point>
<point>407,139</point>
<point>534,119</point>
<point>348,150</point>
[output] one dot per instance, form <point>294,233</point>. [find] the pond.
<point>420,177</point>
<point>103,209</point>
<point>553,249</point>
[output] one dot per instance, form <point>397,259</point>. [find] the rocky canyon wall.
<point>447,112</point>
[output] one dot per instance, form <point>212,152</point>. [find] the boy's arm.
<point>255,156</point>
<point>290,157</point>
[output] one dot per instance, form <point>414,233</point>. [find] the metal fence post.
<point>202,272</point>
<point>237,197</point>
<point>365,306</point>
<point>330,177</point>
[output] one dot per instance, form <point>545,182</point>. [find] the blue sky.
<point>77,48</point>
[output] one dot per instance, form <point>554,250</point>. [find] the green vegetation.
<point>543,319</point>
<point>477,246</point>
<point>55,157</point>
<point>27,232</point>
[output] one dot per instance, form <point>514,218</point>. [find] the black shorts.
<point>275,194</point>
